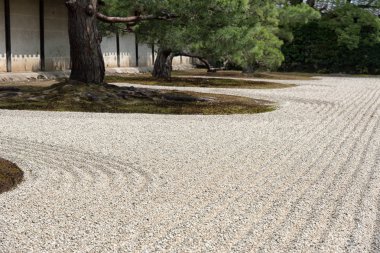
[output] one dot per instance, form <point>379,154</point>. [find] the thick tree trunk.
<point>86,55</point>
<point>251,68</point>
<point>163,64</point>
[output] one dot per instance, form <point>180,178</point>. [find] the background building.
<point>34,37</point>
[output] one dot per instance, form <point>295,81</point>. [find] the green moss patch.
<point>81,97</point>
<point>10,175</point>
<point>187,81</point>
<point>240,74</point>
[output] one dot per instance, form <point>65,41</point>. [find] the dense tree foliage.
<point>346,39</point>
<point>242,32</point>
<point>312,35</point>
<point>293,16</point>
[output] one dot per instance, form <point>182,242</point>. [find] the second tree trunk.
<point>163,64</point>
<point>87,63</point>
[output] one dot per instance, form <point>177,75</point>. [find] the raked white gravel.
<point>304,178</point>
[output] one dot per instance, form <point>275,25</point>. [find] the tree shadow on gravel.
<point>10,175</point>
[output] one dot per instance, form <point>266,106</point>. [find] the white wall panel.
<point>145,55</point>
<point>25,35</point>
<point>127,50</point>
<point>109,51</point>
<point>57,47</point>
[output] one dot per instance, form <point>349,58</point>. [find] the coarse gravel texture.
<point>304,178</point>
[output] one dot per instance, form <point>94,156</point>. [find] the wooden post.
<point>42,35</point>
<point>137,50</point>
<point>153,54</point>
<point>118,47</point>
<point>8,47</point>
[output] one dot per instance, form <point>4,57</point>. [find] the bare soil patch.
<point>36,83</point>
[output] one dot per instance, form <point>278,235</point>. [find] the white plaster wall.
<point>109,51</point>
<point>186,60</point>
<point>127,50</point>
<point>25,35</point>
<point>181,60</point>
<point>57,47</point>
<point>177,60</point>
<point>3,66</point>
<point>145,55</point>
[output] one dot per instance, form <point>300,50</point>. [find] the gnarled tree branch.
<point>134,19</point>
<point>202,59</point>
